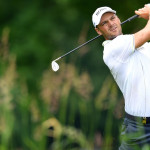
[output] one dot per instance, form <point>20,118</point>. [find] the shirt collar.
<point>105,42</point>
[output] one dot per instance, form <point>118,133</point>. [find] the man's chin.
<point>113,36</point>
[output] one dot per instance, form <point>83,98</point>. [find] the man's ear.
<point>98,31</point>
<point>119,20</point>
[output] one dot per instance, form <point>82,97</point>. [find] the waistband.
<point>144,120</point>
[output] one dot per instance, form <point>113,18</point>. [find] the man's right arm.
<point>143,35</point>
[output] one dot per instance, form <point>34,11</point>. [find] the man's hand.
<point>144,12</point>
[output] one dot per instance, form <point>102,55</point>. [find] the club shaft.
<point>129,19</point>
<point>80,46</point>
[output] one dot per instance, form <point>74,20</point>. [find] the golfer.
<point>128,58</point>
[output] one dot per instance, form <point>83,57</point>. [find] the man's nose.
<point>110,23</point>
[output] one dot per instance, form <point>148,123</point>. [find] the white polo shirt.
<point>130,68</point>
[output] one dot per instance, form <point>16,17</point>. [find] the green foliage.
<point>63,110</point>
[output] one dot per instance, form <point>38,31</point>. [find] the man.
<point>128,58</point>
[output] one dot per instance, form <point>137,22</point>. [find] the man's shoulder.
<point>119,39</point>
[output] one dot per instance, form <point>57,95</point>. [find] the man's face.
<point>109,26</point>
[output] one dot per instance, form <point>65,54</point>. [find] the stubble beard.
<point>111,37</point>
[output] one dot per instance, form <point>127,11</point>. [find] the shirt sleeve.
<point>118,50</point>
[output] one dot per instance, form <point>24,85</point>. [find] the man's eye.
<point>103,23</point>
<point>113,18</point>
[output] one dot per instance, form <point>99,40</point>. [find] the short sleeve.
<point>118,50</point>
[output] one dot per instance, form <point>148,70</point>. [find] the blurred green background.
<point>77,108</point>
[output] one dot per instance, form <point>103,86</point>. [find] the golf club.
<point>55,66</point>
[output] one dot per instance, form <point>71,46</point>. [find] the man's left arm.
<point>143,35</point>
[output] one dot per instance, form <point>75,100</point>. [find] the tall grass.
<point>63,115</point>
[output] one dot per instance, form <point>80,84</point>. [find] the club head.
<point>55,66</point>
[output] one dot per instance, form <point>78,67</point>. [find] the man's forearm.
<point>142,36</point>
